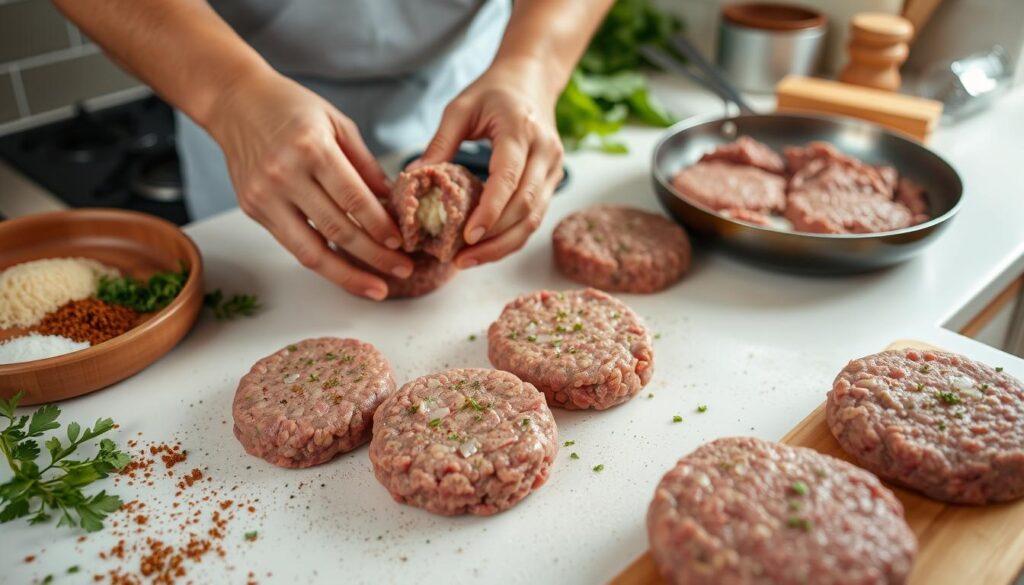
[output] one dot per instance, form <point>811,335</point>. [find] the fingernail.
<point>402,271</point>
<point>376,294</point>
<point>467,263</point>
<point>393,243</point>
<point>475,234</point>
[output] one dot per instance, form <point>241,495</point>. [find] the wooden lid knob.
<point>881,28</point>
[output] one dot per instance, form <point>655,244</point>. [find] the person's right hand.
<point>293,157</point>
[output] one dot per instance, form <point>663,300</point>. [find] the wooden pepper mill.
<point>878,47</point>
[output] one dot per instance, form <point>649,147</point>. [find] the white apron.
<point>390,65</point>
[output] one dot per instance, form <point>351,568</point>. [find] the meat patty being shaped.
<point>431,205</point>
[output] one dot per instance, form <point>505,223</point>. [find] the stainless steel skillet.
<point>684,143</point>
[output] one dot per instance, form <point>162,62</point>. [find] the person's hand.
<point>513,106</point>
<point>294,158</point>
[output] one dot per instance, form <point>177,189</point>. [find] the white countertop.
<point>759,348</point>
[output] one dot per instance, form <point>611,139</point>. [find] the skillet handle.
<point>722,86</point>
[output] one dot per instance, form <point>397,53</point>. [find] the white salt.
<point>36,347</point>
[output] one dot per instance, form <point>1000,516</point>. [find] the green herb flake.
<point>313,377</point>
<point>556,343</point>
<point>983,387</point>
<point>702,408</point>
<point>453,436</point>
<point>226,309</point>
<point>47,580</point>
<point>999,369</point>
<point>472,403</point>
<point>948,397</point>
<point>799,523</point>
<point>413,409</point>
<point>568,443</point>
<point>800,488</point>
<point>599,467</point>
<point>333,382</point>
<point>919,387</point>
<point>657,335</point>
<point>650,395</point>
<point>924,369</point>
<point>310,361</point>
<point>292,347</point>
<point>472,337</point>
<point>512,335</point>
<point>942,426</point>
<point>577,327</point>
<point>562,314</point>
<point>251,536</point>
<point>531,338</point>
<point>677,419</point>
<point>434,423</point>
<point>330,355</point>
<point>574,455</point>
<point>561,329</point>
<point>73,569</point>
<point>959,414</point>
<point>525,423</point>
<point>616,315</point>
<point>793,505</point>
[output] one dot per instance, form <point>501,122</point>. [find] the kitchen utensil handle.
<point>667,62</point>
<point>712,73</point>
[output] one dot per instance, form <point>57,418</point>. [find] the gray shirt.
<point>390,65</point>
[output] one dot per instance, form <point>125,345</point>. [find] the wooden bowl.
<point>136,243</point>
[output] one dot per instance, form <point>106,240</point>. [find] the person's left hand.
<point>513,106</point>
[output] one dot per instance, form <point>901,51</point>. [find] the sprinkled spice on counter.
<point>89,320</point>
<point>36,347</point>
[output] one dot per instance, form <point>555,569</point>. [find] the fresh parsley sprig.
<point>229,308</point>
<point>57,487</point>
<point>144,297</point>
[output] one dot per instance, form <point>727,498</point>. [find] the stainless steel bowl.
<point>684,143</point>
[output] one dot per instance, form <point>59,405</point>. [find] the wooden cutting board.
<point>956,544</point>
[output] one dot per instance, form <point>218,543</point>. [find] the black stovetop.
<point>121,156</point>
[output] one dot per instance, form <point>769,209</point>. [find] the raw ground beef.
<point>743,511</point>
<point>428,275</point>
<point>451,190</point>
<point>747,151</point>
<point>621,249</point>
<point>823,191</point>
<point>581,348</point>
<point>465,441</point>
<point>304,404</point>
<point>723,185</point>
<point>939,423</point>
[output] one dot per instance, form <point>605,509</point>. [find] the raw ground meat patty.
<point>581,348</point>
<point>723,185</point>
<point>621,249</point>
<point>936,422</point>
<point>465,441</point>
<point>428,275</point>
<point>747,151</point>
<point>741,511</point>
<point>306,403</point>
<point>431,205</point>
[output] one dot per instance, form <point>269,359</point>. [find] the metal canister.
<point>760,43</point>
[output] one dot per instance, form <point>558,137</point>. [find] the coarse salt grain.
<point>36,347</point>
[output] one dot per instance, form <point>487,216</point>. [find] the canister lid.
<point>772,16</point>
